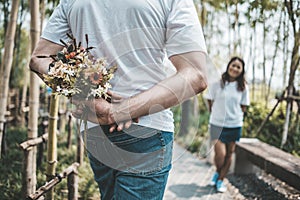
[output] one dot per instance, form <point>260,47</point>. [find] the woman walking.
<point>228,100</point>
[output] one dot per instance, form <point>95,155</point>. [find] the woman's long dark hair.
<point>240,79</point>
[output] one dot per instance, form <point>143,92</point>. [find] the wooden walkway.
<point>189,178</point>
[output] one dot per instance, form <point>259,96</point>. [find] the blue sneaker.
<point>220,186</point>
<point>214,179</point>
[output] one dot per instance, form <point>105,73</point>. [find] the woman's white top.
<point>226,108</point>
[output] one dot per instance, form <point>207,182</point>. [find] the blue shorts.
<point>131,164</point>
<point>225,134</point>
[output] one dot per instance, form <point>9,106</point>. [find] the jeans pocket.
<point>137,150</point>
<point>148,155</point>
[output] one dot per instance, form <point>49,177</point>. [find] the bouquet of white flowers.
<point>74,71</point>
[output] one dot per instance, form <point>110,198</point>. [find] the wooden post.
<point>27,147</point>
<point>80,149</point>
<point>70,131</point>
<point>4,144</point>
<point>73,185</point>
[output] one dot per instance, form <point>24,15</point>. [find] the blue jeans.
<point>131,164</point>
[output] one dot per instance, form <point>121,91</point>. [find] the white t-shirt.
<point>226,108</point>
<point>134,34</point>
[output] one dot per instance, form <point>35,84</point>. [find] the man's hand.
<point>101,111</point>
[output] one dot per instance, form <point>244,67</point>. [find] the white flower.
<point>66,92</point>
<point>70,72</point>
<point>94,93</point>
<point>58,89</point>
<point>107,85</point>
<point>104,71</point>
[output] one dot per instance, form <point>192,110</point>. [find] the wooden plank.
<point>33,142</point>
<point>273,160</point>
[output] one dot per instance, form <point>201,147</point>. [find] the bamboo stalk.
<point>7,65</point>
<point>52,142</point>
<point>30,160</point>
<point>73,181</point>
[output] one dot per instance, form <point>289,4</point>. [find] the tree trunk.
<point>30,175</point>
<point>285,51</point>
<point>5,10</point>
<point>229,28</point>
<point>264,61</point>
<point>235,28</point>
<point>253,63</point>
<point>294,17</point>
<point>42,11</point>
<point>274,57</point>
<point>18,41</point>
<point>23,110</point>
<point>7,64</point>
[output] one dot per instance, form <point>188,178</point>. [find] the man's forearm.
<point>44,48</point>
<point>187,82</point>
<point>39,66</point>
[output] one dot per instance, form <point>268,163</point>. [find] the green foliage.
<point>11,167</point>
<point>264,4</point>
<point>20,61</point>
<point>50,6</point>
<point>271,132</point>
<point>87,186</point>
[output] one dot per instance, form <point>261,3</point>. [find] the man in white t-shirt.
<point>130,159</point>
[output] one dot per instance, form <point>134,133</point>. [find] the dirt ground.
<point>260,186</point>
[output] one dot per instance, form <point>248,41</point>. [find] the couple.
<point>129,140</point>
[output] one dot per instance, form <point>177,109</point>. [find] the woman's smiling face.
<point>235,69</point>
